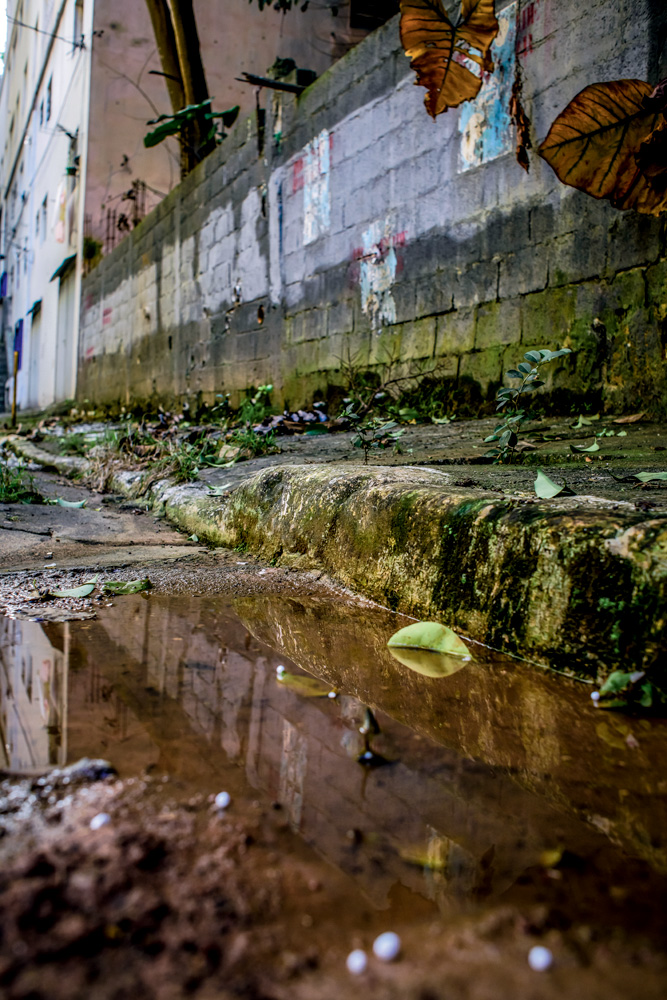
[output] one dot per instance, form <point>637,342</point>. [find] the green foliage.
<point>630,690</point>
<point>373,432</point>
<point>256,406</point>
<point>73,444</point>
<point>505,434</point>
<point>16,486</point>
<point>174,125</point>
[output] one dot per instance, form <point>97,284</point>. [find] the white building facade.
<point>44,100</point>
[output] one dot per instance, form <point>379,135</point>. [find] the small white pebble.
<point>332,694</point>
<point>97,822</point>
<point>356,962</point>
<point>280,670</point>
<point>222,800</point>
<point>540,959</point>
<point>387,946</point>
<point>595,695</point>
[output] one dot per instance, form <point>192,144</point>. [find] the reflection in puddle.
<point>473,798</point>
<point>33,696</point>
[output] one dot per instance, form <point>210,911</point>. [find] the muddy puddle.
<point>497,789</point>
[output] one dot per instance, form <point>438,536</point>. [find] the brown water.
<point>496,783</point>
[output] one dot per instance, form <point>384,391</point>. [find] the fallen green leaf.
<point>640,477</point>
<point>193,538</point>
<point>83,591</point>
<point>546,488</point>
<point>649,477</point>
<point>307,687</point>
<point>430,649</point>
<point>70,503</point>
<point>127,586</point>
<point>578,448</point>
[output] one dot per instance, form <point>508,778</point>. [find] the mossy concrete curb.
<point>576,583</point>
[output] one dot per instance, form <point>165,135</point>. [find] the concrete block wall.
<point>364,230</point>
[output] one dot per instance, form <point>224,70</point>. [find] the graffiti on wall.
<point>311,172</point>
<point>484,123</point>
<point>377,272</point>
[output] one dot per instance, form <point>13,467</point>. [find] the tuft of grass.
<point>16,486</point>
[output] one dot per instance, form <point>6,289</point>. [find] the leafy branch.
<point>179,123</point>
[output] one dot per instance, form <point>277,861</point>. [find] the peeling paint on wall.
<point>377,274</point>
<point>484,124</point>
<point>315,168</point>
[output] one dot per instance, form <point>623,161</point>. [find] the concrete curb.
<point>577,583</point>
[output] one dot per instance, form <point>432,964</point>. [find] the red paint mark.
<point>379,251</point>
<point>297,175</point>
<point>89,302</point>
<point>524,34</point>
<point>106,316</point>
<point>331,135</point>
<point>89,351</point>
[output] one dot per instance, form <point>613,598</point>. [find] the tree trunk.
<point>175,29</point>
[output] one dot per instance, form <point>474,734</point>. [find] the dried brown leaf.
<point>633,418</point>
<point>594,144</point>
<point>521,122</point>
<point>448,60</point>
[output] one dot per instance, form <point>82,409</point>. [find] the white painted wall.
<point>43,128</point>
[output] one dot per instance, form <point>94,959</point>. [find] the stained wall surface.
<point>358,228</point>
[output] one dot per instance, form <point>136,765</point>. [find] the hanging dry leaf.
<point>448,60</point>
<point>521,122</point>
<point>595,143</point>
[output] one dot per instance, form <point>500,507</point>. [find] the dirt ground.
<point>172,897</point>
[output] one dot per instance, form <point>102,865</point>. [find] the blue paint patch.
<point>485,125</point>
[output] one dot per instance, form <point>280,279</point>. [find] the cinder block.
<point>498,323</point>
<point>455,332</point>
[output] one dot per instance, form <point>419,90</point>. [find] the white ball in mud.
<point>387,946</point>
<point>540,959</point>
<point>222,800</point>
<point>356,962</point>
<point>97,822</point>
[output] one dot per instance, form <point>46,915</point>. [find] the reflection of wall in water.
<point>33,696</point>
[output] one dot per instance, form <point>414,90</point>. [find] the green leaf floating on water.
<point>546,488</point>
<point>429,648</point>
<point>307,687</point>
<point>70,503</point>
<point>127,586</point>
<point>83,591</point>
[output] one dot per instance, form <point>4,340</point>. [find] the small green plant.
<point>256,407</point>
<point>252,444</point>
<point>16,486</point>
<point>373,432</point>
<point>528,371</point>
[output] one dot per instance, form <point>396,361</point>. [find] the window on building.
<point>37,226</point>
<point>41,113</point>
<point>78,22</point>
<point>370,14</point>
<point>49,98</point>
<point>45,209</point>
